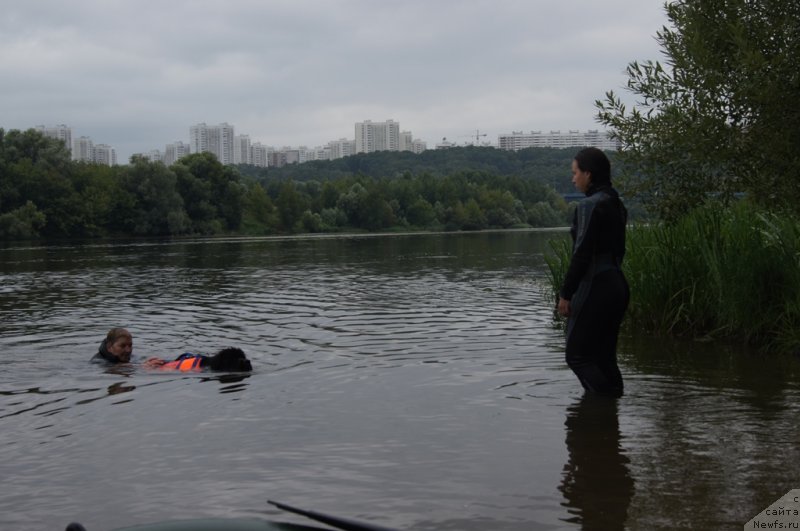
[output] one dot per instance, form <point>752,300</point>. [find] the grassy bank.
<point>719,273</point>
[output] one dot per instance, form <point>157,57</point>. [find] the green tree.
<point>333,219</point>
<point>23,223</point>
<point>475,219</point>
<point>97,188</point>
<point>421,213</point>
<point>198,199</point>
<point>291,205</point>
<point>500,207</point>
<point>38,169</point>
<point>541,214</point>
<point>259,215</point>
<point>157,209</point>
<point>311,221</point>
<point>722,114</point>
<point>207,185</point>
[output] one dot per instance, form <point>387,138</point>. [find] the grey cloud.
<point>137,74</point>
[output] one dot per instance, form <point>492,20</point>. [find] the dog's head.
<point>230,360</point>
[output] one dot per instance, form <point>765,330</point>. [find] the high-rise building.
<point>154,155</point>
<point>174,152</point>
<point>341,148</point>
<point>59,132</point>
<point>406,140</point>
<point>216,139</point>
<point>105,154</point>
<point>83,149</point>
<point>221,143</point>
<point>291,155</point>
<point>276,158</point>
<point>242,150</point>
<point>377,136</point>
<point>409,143</point>
<point>198,138</point>
<point>322,153</point>
<point>259,155</point>
<point>556,139</point>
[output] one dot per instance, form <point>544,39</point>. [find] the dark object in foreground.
<point>335,521</point>
<point>213,524</point>
<point>248,524</point>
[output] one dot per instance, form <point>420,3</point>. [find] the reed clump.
<point>729,273</point>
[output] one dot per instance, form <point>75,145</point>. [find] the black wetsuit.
<point>597,290</point>
<point>103,355</point>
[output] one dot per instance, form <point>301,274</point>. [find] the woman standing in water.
<point>594,295</point>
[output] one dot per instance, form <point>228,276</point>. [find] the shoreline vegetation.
<point>44,194</point>
<point>727,273</point>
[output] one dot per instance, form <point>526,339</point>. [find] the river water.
<point>412,381</point>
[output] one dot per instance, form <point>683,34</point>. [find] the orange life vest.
<point>187,362</point>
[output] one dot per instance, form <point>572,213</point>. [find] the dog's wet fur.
<point>229,360</point>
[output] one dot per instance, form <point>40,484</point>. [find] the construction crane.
<point>477,136</point>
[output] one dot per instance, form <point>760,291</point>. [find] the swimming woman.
<point>117,347</point>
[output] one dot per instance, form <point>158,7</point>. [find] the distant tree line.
<point>546,165</point>
<point>44,194</point>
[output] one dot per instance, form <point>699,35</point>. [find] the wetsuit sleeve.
<point>583,248</point>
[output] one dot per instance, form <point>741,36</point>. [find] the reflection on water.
<point>597,484</point>
<point>230,383</point>
<point>119,387</point>
<point>415,381</point>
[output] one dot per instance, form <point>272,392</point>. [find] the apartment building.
<point>216,139</point>
<point>556,139</point>
<point>409,143</point>
<point>83,149</point>
<point>242,150</point>
<point>344,147</point>
<point>377,136</point>
<point>175,151</point>
<point>104,154</point>
<point>154,155</point>
<point>259,154</point>
<point>59,132</point>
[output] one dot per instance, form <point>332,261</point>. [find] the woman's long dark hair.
<point>595,162</point>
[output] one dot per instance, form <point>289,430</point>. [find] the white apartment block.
<point>409,143</point>
<point>341,148</point>
<point>216,139</point>
<point>377,136</point>
<point>104,154</point>
<point>154,155</point>
<point>406,139</point>
<point>242,150</point>
<point>556,139</point>
<point>418,146</point>
<point>259,155</point>
<point>198,138</point>
<point>83,149</point>
<point>174,152</point>
<point>322,153</point>
<point>59,132</point>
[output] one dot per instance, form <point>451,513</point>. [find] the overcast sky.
<point>137,74</point>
